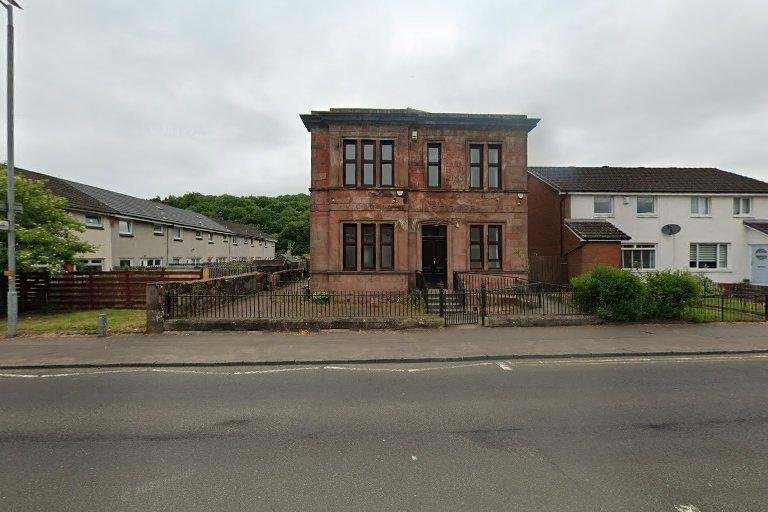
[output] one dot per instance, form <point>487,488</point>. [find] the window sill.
<point>94,227</point>
<point>743,216</point>
<point>647,215</point>
<point>211,243</point>
<point>711,270</point>
<point>128,235</point>
<point>700,216</point>
<point>178,239</point>
<point>158,234</point>
<point>602,215</point>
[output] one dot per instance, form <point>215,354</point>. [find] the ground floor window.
<point>485,240</point>
<point>709,256</point>
<point>375,250</point>
<point>152,262</point>
<point>90,265</point>
<point>125,262</point>
<point>638,256</point>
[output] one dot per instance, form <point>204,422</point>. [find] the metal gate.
<point>460,307</point>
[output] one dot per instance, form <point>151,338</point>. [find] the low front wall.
<point>361,282</point>
<point>157,293</point>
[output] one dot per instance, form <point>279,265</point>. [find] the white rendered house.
<point>717,221</point>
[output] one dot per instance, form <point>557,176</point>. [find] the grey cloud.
<point>205,96</point>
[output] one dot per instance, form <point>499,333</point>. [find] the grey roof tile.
<point>648,179</point>
<point>595,230</point>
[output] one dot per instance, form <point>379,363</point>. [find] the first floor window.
<point>742,206</point>
<point>494,247</point>
<point>125,262</point>
<point>369,247</point>
<point>157,229</point>
<point>199,235</point>
<point>434,162</point>
<point>476,166</point>
<point>177,233</point>
<point>494,166</point>
<point>125,227</point>
<point>709,256</point>
<point>476,247</point>
<point>603,205</point>
<point>350,163</point>
<point>387,236</point>
<point>638,256</point>
<point>350,246</point>
<point>93,221</point>
<point>700,205</point>
<point>210,238</point>
<point>646,205</point>
<point>369,160</point>
<point>387,169</point>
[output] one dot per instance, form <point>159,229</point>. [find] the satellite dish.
<point>670,229</point>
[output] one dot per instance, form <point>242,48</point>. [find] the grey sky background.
<point>171,96</point>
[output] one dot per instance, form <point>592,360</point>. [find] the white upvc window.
<point>199,235</point>
<point>125,227</point>
<point>224,238</point>
<point>152,262</point>
<point>91,265</point>
<point>709,256</point>
<point>638,256</point>
<point>234,240</point>
<point>158,229</point>
<point>701,206</point>
<point>177,234</point>
<point>603,206</point>
<point>210,238</point>
<point>93,221</point>
<point>646,206</point>
<point>742,206</point>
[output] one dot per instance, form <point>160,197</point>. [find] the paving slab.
<point>338,346</point>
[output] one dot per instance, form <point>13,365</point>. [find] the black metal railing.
<point>276,305</point>
<point>730,308</point>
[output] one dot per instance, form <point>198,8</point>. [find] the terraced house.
<point>132,232</point>
<point>398,194</point>
<point>703,220</point>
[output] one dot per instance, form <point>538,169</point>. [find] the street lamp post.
<point>13,304</point>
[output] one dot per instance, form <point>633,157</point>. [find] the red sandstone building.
<point>396,192</point>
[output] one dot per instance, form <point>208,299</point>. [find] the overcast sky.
<point>171,96</point>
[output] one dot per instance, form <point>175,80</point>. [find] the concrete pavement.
<point>642,435</point>
<point>455,344</point>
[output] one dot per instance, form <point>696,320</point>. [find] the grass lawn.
<point>734,310</point>
<point>79,322</point>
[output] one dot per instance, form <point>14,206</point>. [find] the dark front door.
<point>433,255</point>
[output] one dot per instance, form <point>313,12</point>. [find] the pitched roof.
<point>412,116</point>
<point>245,230</point>
<point>648,179</point>
<point>93,199</point>
<point>760,225</point>
<point>591,230</point>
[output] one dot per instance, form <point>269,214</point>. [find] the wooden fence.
<point>92,290</point>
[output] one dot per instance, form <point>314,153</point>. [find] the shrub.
<point>611,293</point>
<point>708,286</point>
<point>670,293</point>
<point>321,297</point>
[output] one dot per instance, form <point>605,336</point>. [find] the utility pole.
<point>13,303</point>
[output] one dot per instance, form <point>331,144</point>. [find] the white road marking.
<point>507,365</point>
<point>686,508</point>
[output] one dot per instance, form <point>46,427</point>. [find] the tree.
<point>45,232</point>
<point>294,238</point>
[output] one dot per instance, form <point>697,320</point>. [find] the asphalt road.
<point>615,435</point>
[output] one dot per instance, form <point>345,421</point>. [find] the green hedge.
<point>622,296</point>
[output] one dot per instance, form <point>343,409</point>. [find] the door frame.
<point>750,257</point>
<point>445,238</point>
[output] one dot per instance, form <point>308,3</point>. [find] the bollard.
<point>102,328</point>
